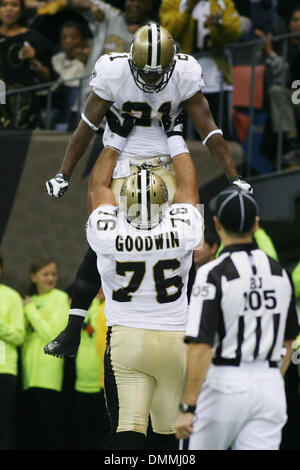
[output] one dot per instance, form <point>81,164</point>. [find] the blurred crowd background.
<point>248,49</point>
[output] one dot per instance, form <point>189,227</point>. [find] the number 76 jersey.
<point>112,80</point>
<point>144,273</point>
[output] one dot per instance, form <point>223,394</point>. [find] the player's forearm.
<point>94,112</point>
<point>100,179</point>
<point>103,169</point>
<point>199,358</point>
<point>219,149</point>
<point>198,109</point>
<point>187,182</point>
<point>76,148</point>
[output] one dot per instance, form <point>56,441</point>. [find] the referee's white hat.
<point>235,208</point>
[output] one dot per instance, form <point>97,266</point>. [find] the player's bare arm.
<point>198,109</point>
<point>94,112</point>
<point>199,357</point>
<point>187,182</point>
<point>92,116</point>
<point>98,188</point>
<point>99,191</point>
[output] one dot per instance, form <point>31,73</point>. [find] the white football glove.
<point>58,185</point>
<point>242,184</point>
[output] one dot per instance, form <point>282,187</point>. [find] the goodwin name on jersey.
<point>113,81</point>
<point>242,305</point>
<point>160,241</point>
<point>120,236</point>
<point>140,288</point>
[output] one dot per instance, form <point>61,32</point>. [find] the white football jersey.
<point>113,81</point>
<point>144,272</point>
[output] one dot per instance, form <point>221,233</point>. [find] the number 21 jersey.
<point>113,81</point>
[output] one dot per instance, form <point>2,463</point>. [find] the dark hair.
<point>211,237</point>
<point>82,28</point>
<point>236,209</point>
<point>35,267</point>
<point>23,13</point>
<point>292,11</point>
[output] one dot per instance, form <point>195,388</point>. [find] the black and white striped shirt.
<point>243,305</point>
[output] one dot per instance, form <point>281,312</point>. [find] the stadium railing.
<point>227,51</point>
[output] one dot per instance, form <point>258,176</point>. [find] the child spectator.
<point>12,332</point>
<point>46,313</point>
<point>71,63</point>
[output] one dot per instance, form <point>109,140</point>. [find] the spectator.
<point>46,310</point>
<point>50,17</point>
<point>91,418</point>
<point>12,332</point>
<point>113,29</point>
<point>70,63</point>
<point>24,61</point>
<point>32,7</point>
<point>284,8</point>
<point>199,27</point>
<point>275,63</point>
<point>263,14</point>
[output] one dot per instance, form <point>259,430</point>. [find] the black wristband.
<point>186,408</point>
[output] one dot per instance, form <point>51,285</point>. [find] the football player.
<point>144,252</point>
<point>152,84</point>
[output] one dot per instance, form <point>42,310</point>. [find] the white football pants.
<point>242,408</point>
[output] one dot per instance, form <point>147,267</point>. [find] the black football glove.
<point>58,185</point>
<point>66,344</point>
<point>120,124</point>
<point>173,126</point>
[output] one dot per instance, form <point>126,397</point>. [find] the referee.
<point>241,325</point>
